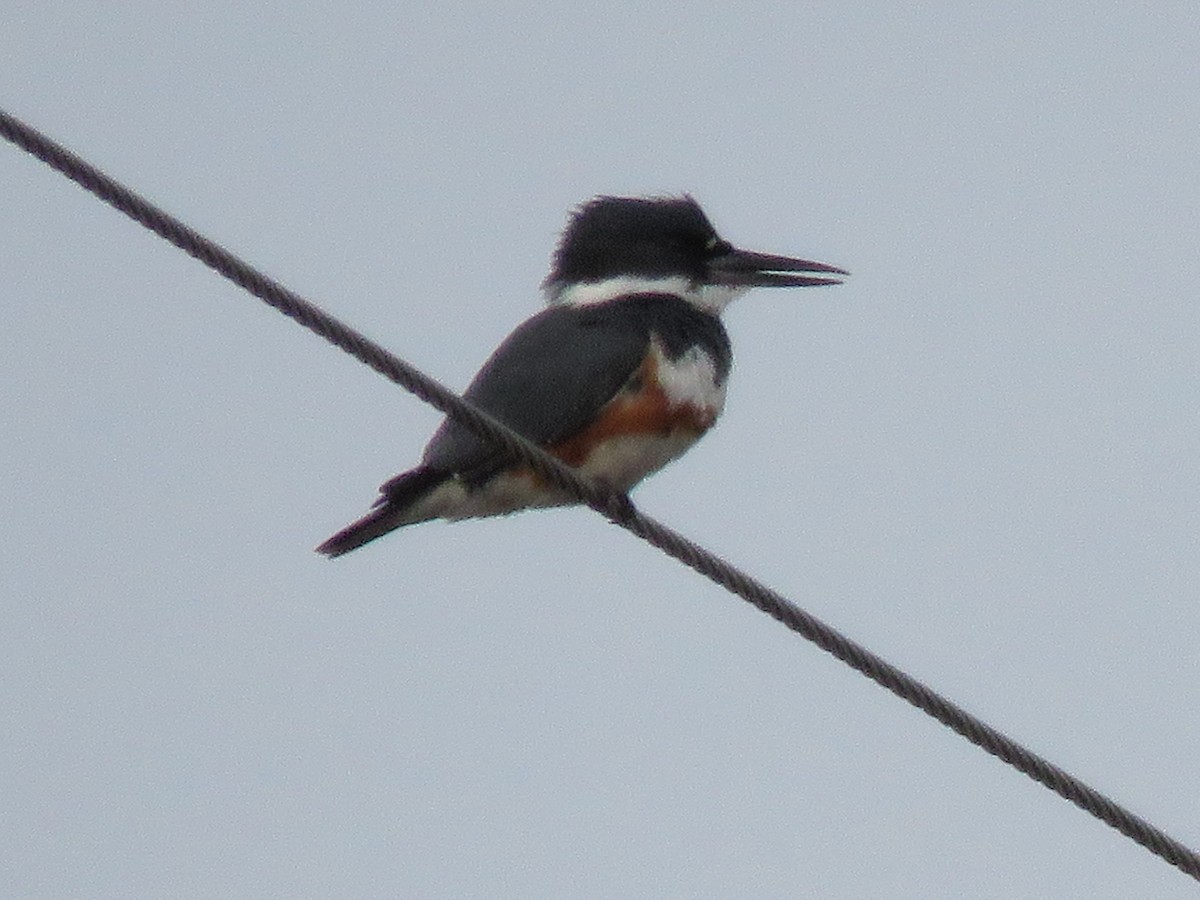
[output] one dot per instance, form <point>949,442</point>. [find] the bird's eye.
<point>692,243</point>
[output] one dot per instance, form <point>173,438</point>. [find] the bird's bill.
<point>745,268</point>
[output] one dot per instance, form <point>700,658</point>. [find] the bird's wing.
<point>546,381</point>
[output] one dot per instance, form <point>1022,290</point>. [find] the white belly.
<point>624,461</point>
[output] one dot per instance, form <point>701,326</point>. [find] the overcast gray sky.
<point>978,457</point>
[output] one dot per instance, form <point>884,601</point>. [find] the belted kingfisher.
<point>622,372</point>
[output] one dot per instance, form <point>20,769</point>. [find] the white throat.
<point>712,298</point>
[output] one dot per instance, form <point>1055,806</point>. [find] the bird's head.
<point>621,245</point>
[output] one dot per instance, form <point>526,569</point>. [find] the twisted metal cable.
<point>616,506</point>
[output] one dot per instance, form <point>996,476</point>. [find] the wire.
<point>616,506</point>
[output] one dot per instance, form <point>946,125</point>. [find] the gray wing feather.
<point>547,380</point>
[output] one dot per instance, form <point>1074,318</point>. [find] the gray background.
<point>979,457</point>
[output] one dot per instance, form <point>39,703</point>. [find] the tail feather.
<point>392,510</point>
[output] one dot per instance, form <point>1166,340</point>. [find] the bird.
<point>623,370</point>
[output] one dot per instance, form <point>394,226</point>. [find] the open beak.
<point>745,268</point>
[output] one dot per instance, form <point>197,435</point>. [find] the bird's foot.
<point>616,504</point>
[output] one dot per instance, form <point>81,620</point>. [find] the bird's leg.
<point>616,503</point>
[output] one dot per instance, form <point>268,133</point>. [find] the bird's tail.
<point>394,508</point>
